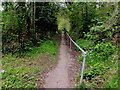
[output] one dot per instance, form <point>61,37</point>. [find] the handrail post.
<point>84,59</point>
<point>83,68</point>
<point>70,45</point>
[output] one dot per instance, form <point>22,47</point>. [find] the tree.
<point>23,27</point>
<point>81,15</point>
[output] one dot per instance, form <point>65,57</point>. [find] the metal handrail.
<point>84,59</point>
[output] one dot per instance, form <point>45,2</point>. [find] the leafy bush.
<point>99,62</point>
<point>85,44</point>
<point>104,49</point>
<point>95,70</point>
<point>100,53</point>
<point>94,29</point>
<point>100,23</point>
<point>91,36</point>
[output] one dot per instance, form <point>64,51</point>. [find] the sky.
<point>1,9</point>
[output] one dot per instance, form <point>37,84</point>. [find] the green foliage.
<point>16,76</point>
<point>81,18</point>
<point>49,47</point>
<point>85,44</point>
<point>94,22</point>
<point>104,49</point>
<point>15,79</point>
<point>85,85</point>
<point>96,69</point>
<point>27,23</point>
<point>100,62</point>
<point>100,72</point>
<point>26,37</point>
<point>112,82</point>
<point>101,34</point>
<point>90,36</point>
<point>63,22</point>
<point>100,52</point>
<point>25,72</point>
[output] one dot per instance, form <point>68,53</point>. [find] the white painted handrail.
<point>84,59</point>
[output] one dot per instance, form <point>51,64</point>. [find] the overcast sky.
<point>63,5</point>
<point>1,9</point>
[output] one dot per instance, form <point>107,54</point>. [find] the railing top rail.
<point>76,45</point>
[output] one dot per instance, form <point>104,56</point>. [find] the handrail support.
<point>83,67</point>
<point>84,59</point>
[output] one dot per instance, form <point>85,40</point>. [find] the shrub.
<point>85,44</point>
<point>95,70</point>
<point>104,49</point>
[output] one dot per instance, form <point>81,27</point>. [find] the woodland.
<point>30,33</point>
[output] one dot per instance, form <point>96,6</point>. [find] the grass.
<point>26,72</point>
<point>47,47</point>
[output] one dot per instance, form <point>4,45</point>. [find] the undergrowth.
<point>25,72</point>
<point>101,65</point>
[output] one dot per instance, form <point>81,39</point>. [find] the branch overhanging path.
<point>59,77</point>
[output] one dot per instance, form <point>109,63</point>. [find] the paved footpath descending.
<point>58,78</point>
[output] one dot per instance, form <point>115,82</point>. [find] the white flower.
<point>2,71</point>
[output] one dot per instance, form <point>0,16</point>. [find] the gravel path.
<point>58,78</point>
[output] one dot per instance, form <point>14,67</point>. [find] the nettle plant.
<point>104,49</point>
<point>93,34</point>
<point>97,33</point>
<point>95,70</point>
<point>101,51</point>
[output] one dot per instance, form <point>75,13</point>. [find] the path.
<point>58,78</point>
